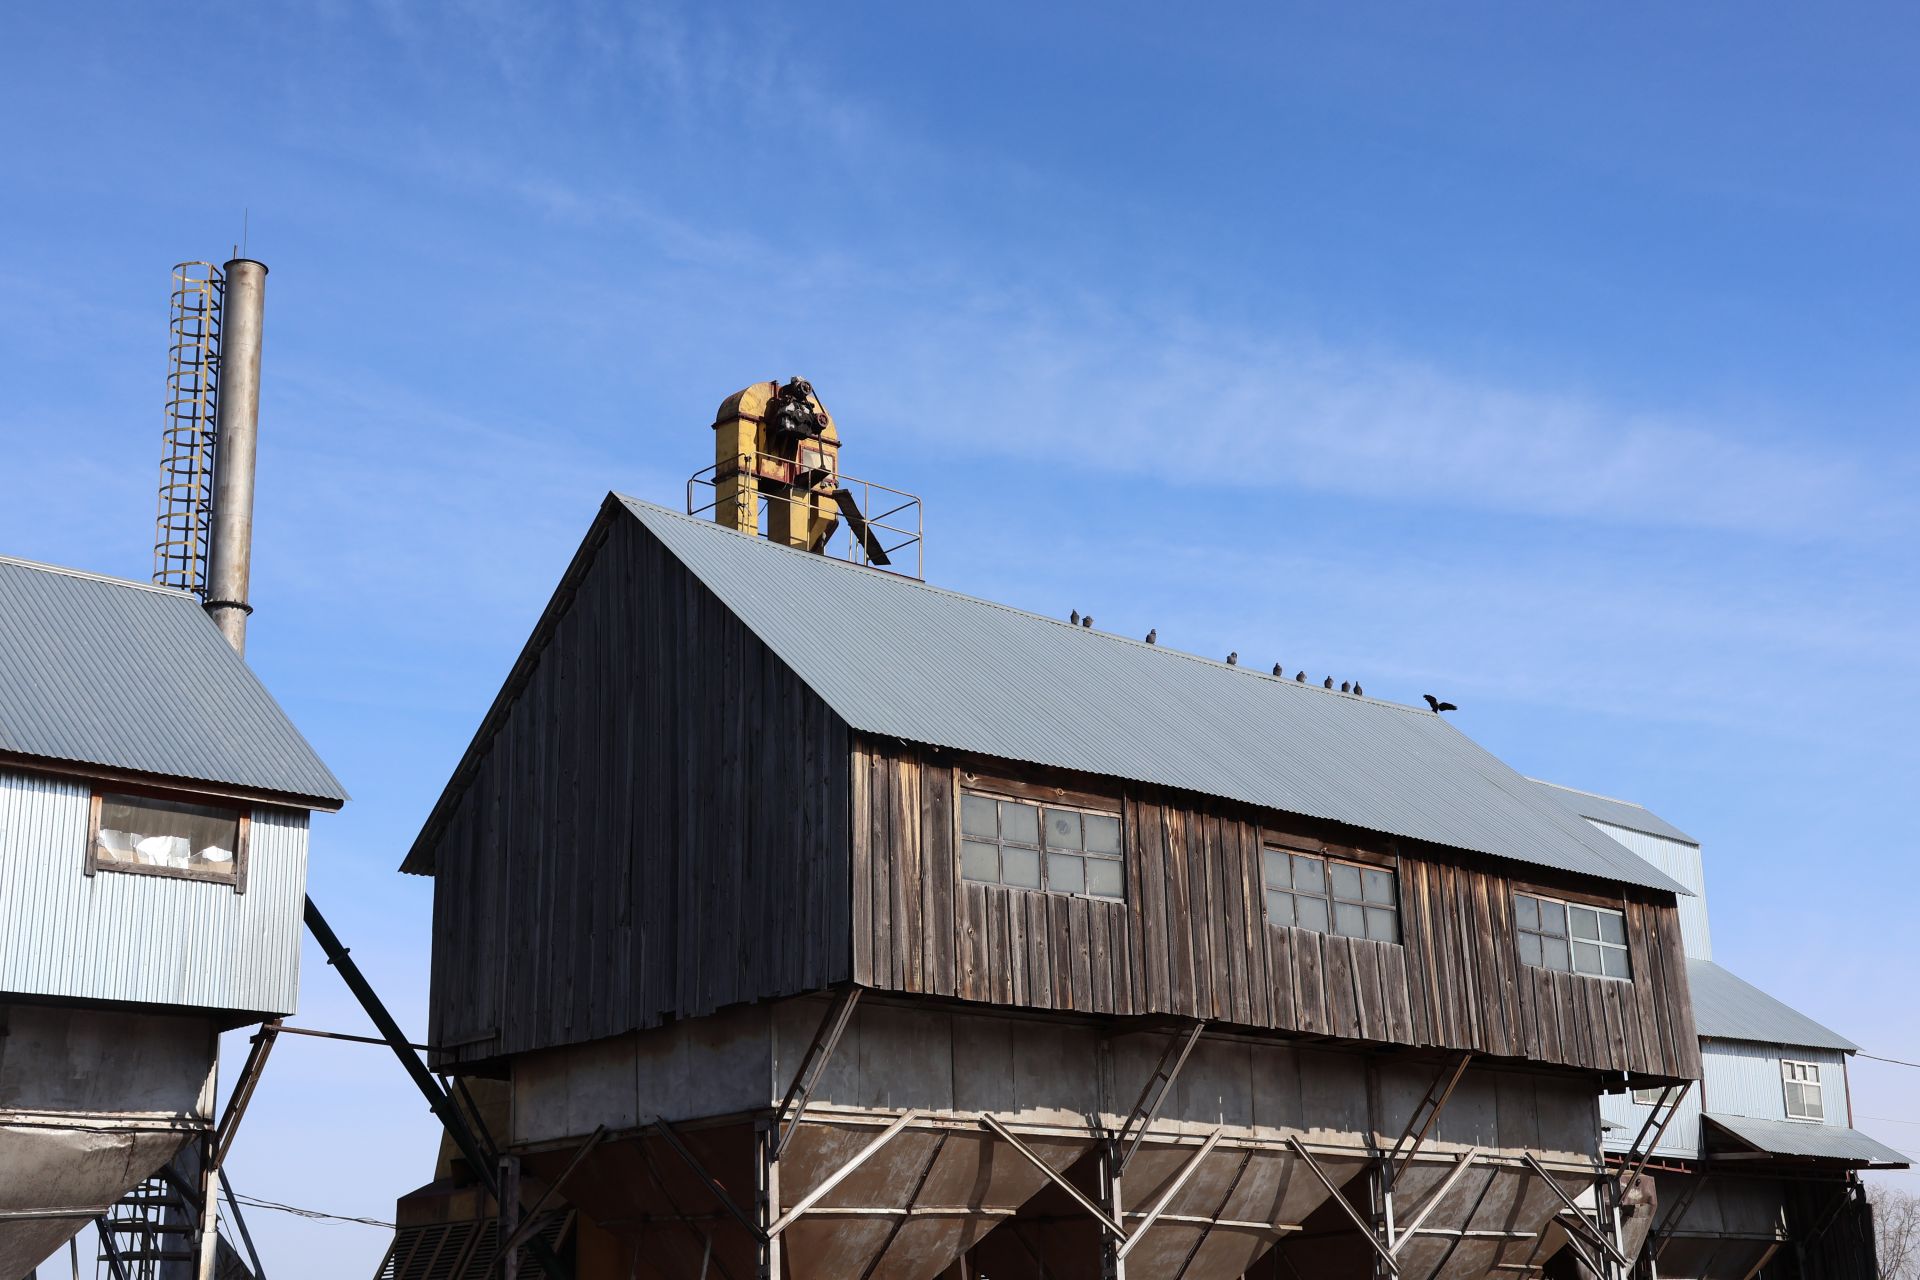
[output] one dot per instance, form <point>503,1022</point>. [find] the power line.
<point>1898,1062</point>
<point>253,1202</point>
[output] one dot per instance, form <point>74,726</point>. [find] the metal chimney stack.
<point>230,541</point>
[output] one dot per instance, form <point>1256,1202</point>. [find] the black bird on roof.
<point>1437,705</point>
<point>1087,621</point>
<point>1277,671</point>
<point>1073,618</point>
<point>1357,691</point>
<point>1299,677</point>
<point>1327,683</point>
<point>1233,659</point>
<point>1345,686</point>
<point>1153,636</point>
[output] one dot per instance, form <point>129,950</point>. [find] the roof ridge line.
<point>924,585</point>
<point>89,575</point>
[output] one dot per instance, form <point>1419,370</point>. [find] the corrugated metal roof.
<point>896,657</point>
<point>1809,1140</point>
<point>1726,1007</point>
<point>102,671</point>
<point>1616,813</point>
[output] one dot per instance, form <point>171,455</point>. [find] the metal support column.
<point>766,1197</point>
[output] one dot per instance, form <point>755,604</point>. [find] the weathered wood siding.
<point>1191,939</point>
<point>657,826</point>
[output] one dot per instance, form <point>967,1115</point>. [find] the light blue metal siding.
<point>1819,1141</point>
<point>120,674</point>
<point>1682,1139</point>
<point>1682,862</point>
<point>1744,1079</point>
<point>143,939</point>
<point>895,657</point>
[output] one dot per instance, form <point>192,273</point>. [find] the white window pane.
<point>1553,953</point>
<point>1615,961</point>
<point>1309,874</point>
<point>1553,917</point>
<point>1529,948</point>
<point>1103,833</point>
<point>1063,829</point>
<point>1382,925</point>
<point>1104,878</point>
<point>1346,881</point>
<point>1586,958</point>
<point>1585,922</point>
<point>1066,874</point>
<point>1379,887</point>
<point>1019,822</point>
<point>977,817</point>
<point>1526,911</point>
<point>1273,867</point>
<point>1279,908</point>
<point>1349,920</point>
<point>1020,868</point>
<point>1310,913</point>
<point>980,861</point>
<point>1613,927</point>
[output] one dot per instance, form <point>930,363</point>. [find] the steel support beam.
<point>1447,1184</point>
<point>1147,1109</point>
<point>714,1188</point>
<point>1632,1179</point>
<point>1598,1236</point>
<point>812,1067</point>
<point>1353,1215</point>
<point>1178,1181</point>
<point>1433,1102</point>
<point>438,1100</point>
<point>243,1089</point>
<point>1079,1197</point>
<point>531,1220</point>
<point>841,1174</point>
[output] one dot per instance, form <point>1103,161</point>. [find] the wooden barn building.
<point>826,924</point>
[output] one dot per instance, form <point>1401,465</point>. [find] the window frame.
<point>1568,905</point>
<point>1812,1080</point>
<point>1041,798</point>
<point>1656,1093</point>
<point>235,880</point>
<point>1329,860</point>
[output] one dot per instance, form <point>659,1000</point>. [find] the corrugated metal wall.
<point>1682,862</point>
<point>139,938</point>
<point>1683,1135</point>
<point>1744,1079</point>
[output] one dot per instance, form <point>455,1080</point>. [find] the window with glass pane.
<point>165,836</point>
<point>1326,896</point>
<point>1571,937</point>
<point>1802,1083</point>
<point>1649,1097</point>
<point>1025,845</point>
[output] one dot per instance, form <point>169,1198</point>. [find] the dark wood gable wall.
<point>1191,939</point>
<point>658,827</point>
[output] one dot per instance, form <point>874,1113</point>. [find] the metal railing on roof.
<point>878,525</point>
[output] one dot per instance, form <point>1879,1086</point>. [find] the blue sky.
<point>1556,361</point>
